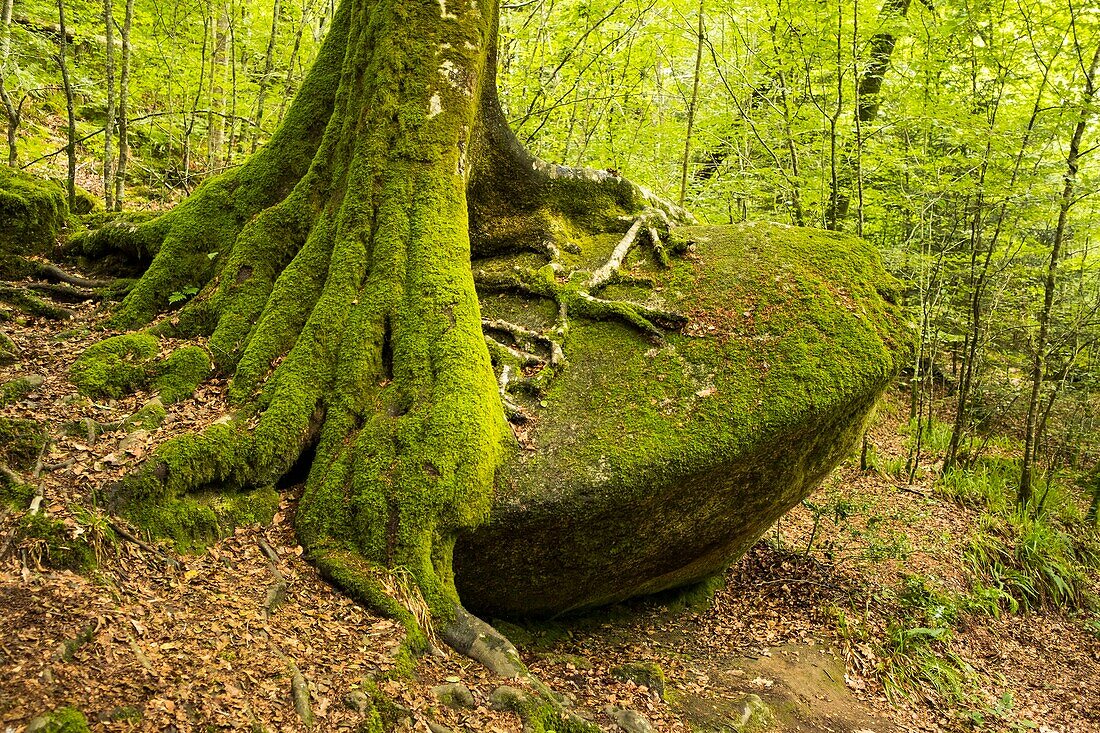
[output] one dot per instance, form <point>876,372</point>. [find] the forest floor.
<point>806,625</point>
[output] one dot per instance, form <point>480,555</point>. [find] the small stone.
<point>508,698</point>
<point>454,695</point>
<point>358,701</point>
<point>755,714</point>
<point>628,720</point>
<point>647,674</point>
<point>438,727</point>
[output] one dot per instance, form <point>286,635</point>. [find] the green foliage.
<point>1019,559</point>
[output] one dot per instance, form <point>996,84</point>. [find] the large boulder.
<point>648,465</point>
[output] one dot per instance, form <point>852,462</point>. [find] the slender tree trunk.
<point>1038,362</point>
<point>11,111</point>
<point>869,94</point>
<point>699,40</point>
<point>269,66</point>
<point>70,107</point>
<point>232,62</point>
<point>124,107</point>
<point>109,126</point>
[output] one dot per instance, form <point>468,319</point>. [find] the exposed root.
<point>470,636</point>
<point>64,293</point>
<point>53,273</point>
<point>22,300</point>
<point>125,534</point>
<point>276,593</point>
<point>299,687</point>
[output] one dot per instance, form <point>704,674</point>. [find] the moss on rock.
<point>16,389</point>
<point>62,720</point>
<point>148,417</point>
<point>181,373</point>
<point>656,465</point>
<point>54,544</point>
<point>121,365</point>
<point>21,442</point>
<point>33,213</point>
<point>116,366</point>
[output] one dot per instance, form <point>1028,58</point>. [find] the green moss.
<point>21,442</point>
<point>148,417</point>
<point>85,203</point>
<point>18,388</point>
<point>15,494</point>
<point>181,373</point>
<point>648,674</point>
<point>196,520</point>
<point>539,716</point>
<point>59,549</point>
<point>66,720</point>
<point>33,213</point>
<point>116,366</point>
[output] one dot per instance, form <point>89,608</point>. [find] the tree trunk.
<point>265,80</point>
<point>109,126</point>
<point>11,111</point>
<point>699,40</point>
<point>337,289</point>
<point>70,134</point>
<point>123,107</point>
<point>1038,361</point>
<point>869,96</point>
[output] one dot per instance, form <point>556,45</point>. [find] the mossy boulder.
<point>651,466</point>
<point>33,213</point>
<point>181,373</point>
<point>121,365</point>
<point>115,367</point>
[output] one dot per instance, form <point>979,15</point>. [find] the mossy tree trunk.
<point>336,287</point>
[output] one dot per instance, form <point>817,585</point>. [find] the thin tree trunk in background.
<point>229,148</point>
<point>269,65</point>
<point>692,104</point>
<point>832,217</point>
<point>123,110</point>
<point>109,127</point>
<point>10,109</point>
<point>1038,362</point>
<point>70,145</point>
<point>979,283</point>
<point>868,94</point>
<point>215,123</point>
<point>288,86</point>
<point>207,22</point>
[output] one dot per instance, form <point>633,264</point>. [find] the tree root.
<point>53,273</point>
<point>22,300</point>
<point>64,293</point>
<point>276,593</point>
<point>575,296</point>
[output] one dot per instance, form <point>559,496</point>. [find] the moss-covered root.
<point>539,715</point>
<point>24,301</point>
